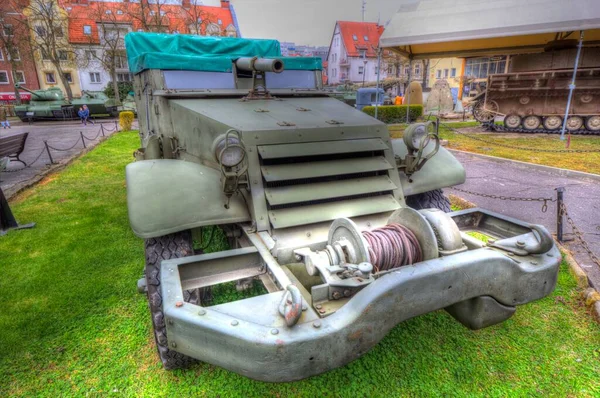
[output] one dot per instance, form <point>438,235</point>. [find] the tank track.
<point>503,129</point>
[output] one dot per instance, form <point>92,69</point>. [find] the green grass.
<point>586,162</point>
<point>73,324</point>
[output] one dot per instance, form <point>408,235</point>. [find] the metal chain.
<point>518,147</point>
<point>579,235</point>
<point>511,198</point>
<point>92,139</point>
<point>64,149</point>
<point>29,165</point>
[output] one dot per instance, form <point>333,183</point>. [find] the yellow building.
<point>450,69</point>
<point>50,35</point>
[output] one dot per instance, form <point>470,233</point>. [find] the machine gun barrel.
<point>260,64</point>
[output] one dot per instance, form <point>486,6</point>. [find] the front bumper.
<point>479,287</point>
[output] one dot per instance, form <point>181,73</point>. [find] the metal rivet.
<point>318,306</point>
<point>308,234</point>
<point>304,307</point>
<point>321,311</point>
<point>173,344</point>
<point>179,304</point>
<point>234,323</point>
<point>274,331</point>
<point>202,312</point>
<point>316,324</point>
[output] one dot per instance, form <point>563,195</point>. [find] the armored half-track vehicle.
<point>533,96</point>
<point>345,230</point>
<point>98,103</point>
<point>48,104</point>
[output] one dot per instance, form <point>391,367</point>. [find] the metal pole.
<point>559,214</point>
<point>407,94</point>
<point>102,129</point>
<point>82,139</point>
<point>377,86</point>
<point>116,127</point>
<point>48,150</point>
<point>572,86</point>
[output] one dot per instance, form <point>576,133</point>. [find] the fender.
<point>166,196</point>
<point>442,170</point>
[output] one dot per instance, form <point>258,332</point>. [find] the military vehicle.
<point>128,104</point>
<point>533,96</point>
<point>345,93</point>
<point>344,229</point>
<point>98,103</point>
<point>44,105</point>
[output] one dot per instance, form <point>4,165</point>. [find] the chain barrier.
<point>471,136</point>
<point>510,198</point>
<point>47,148</point>
<point>562,212</point>
<point>579,235</point>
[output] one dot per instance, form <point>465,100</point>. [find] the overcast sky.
<point>308,22</point>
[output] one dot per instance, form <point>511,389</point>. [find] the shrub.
<point>124,89</point>
<point>395,113</point>
<point>125,120</point>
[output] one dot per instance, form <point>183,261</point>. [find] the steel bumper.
<point>479,287</point>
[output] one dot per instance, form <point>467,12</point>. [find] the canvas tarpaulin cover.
<point>202,53</point>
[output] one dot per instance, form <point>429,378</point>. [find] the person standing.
<point>4,117</point>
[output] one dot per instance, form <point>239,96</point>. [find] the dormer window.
<point>354,38</point>
<point>108,12</point>
<point>87,30</point>
<point>363,53</point>
<point>119,12</point>
<point>366,38</point>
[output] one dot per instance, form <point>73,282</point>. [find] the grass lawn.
<point>73,324</point>
<point>587,162</point>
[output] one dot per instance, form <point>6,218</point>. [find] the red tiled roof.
<point>176,18</point>
<point>360,30</point>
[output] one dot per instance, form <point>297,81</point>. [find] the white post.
<point>572,85</point>
<point>377,86</point>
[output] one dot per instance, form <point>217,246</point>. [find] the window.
<point>363,53</point>
<point>40,30</point>
<point>58,32</point>
<point>453,72</point>
<point>121,62</point>
<point>20,76</point>
<point>162,13</point>
<point>68,77</point>
<point>14,54</point>
<point>123,77</point>
<point>45,55</point>
<point>152,13</point>
<point>119,12</point>
<point>63,55</point>
<point>140,30</point>
<point>418,69</point>
<point>87,30</point>
<point>479,68</point>
<point>50,78</point>
<point>95,77</point>
<point>220,22</point>
<point>354,38</point>
<point>446,72</point>
<point>361,70</point>
<point>390,69</point>
<point>8,30</point>
<point>90,54</point>
<point>366,38</point>
<point>108,12</point>
<point>376,70</point>
<point>1,56</point>
<point>406,70</point>
<point>3,77</point>
<point>438,74</point>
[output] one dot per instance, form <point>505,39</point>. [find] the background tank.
<point>98,103</point>
<point>345,93</point>
<point>45,104</point>
<point>129,103</point>
<point>533,95</point>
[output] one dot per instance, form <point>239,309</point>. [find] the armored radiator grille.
<point>319,181</point>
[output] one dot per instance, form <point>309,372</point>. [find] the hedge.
<point>125,120</point>
<point>394,113</point>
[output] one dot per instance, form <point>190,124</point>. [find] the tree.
<point>108,49</point>
<point>48,30</point>
<point>197,19</point>
<point>151,16</point>
<point>13,41</point>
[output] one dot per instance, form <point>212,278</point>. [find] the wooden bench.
<point>13,146</point>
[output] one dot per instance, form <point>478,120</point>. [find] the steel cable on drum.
<point>392,246</point>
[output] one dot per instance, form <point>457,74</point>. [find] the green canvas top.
<point>203,53</point>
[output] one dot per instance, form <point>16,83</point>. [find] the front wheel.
<point>158,249</point>
<point>434,199</point>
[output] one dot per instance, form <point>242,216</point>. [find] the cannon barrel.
<point>28,90</point>
<point>260,64</point>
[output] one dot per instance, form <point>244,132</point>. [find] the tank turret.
<point>51,94</point>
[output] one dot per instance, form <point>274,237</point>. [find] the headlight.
<point>228,153</point>
<point>414,134</point>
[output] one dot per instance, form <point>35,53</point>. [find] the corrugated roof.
<point>434,28</point>
<point>359,36</point>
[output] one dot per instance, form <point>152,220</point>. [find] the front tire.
<point>166,247</point>
<point>434,199</point>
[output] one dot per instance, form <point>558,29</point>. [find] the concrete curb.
<point>20,187</point>
<point>547,169</point>
<point>590,295</point>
